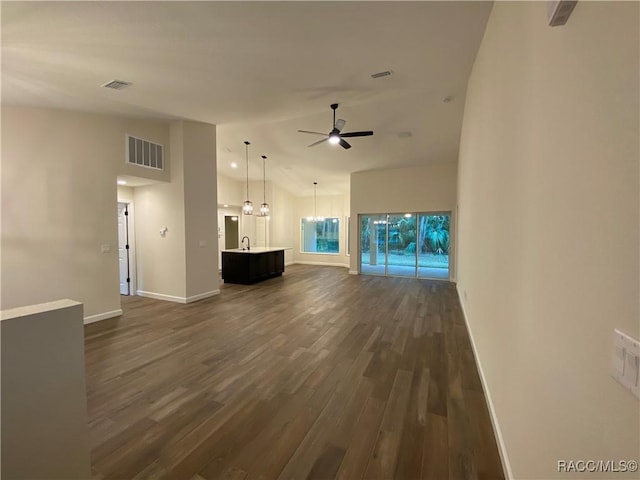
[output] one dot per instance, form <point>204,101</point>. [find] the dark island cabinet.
<point>251,267</point>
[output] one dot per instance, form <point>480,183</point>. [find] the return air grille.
<point>144,153</point>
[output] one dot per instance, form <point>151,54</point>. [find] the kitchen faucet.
<point>248,243</point>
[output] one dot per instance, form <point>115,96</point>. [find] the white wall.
<point>283,221</point>
<point>161,260</point>
<point>230,192</point>
<point>548,229</point>
<point>45,433</point>
<point>327,206</point>
<point>183,265</point>
<point>59,205</point>
<point>429,188</point>
<point>200,199</point>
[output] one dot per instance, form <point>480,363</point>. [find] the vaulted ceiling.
<point>260,71</point>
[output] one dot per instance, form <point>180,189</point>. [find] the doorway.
<point>123,248</point>
<point>405,244</point>
<point>231,235</point>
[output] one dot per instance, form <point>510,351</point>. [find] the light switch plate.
<point>625,361</point>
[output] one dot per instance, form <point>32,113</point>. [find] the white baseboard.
<point>102,316</point>
<point>353,272</point>
<point>201,296</point>
<point>502,449</point>
<point>324,264</point>
<point>289,263</point>
<point>161,296</point>
<point>173,298</point>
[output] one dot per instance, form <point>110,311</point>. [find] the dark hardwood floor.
<point>317,374</point>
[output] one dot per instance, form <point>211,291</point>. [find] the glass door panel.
<point>373,247</point>
<point>401,258</point>
<point>433,246</point>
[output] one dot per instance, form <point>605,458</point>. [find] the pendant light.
<point>264,207</point>
<point>315,217</point>
<point>247,208</point>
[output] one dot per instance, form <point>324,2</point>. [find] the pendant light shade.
<point>247,208</point>
<point>264,206</point>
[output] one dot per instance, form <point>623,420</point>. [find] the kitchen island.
<point>247,266</point>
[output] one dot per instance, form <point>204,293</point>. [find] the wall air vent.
<point>144,153</point>
<point>117,84</point>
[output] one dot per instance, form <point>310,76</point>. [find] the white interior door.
<point>123,248</point>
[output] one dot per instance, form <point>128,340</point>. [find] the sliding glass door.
<point>401,241</point>
<point>405,245</point>
<point>373,244</point>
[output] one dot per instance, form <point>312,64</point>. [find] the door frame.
<point>133,271</point>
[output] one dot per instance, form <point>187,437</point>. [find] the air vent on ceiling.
<point>144,153</point>
<point>117,84</point>
<point>405,134</point>
<point>386,73</point>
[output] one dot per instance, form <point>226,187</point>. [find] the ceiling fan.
<point>336,135</point>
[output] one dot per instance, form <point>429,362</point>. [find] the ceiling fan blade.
<point>315,133</point>
<point>344,144</point>
<point>340,124</point>
<point>319,141</point>
<point>357,134</point>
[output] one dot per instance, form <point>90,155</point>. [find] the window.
<point>320,236</point>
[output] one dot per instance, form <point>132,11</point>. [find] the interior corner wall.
<point>329,206</point>
<point>59,205</point>
<point>549,229</point>
<point>428,188</point>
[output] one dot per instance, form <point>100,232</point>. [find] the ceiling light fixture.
<point>264,207</point>
<point>247,208</point>
<point>334,138</point>
<point>315,217</point>
<point>122,182</point>
<point>234,165</point>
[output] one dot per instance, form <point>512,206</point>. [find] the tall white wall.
<point>183,264</point>
<point>162,259</point>
<point>59,205</point>
<point>283,221</point>
<point>428,188</point>
<point>548,224</point>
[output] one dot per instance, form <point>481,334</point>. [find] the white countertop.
<point>257,250</point>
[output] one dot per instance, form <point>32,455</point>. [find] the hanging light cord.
<point>315,205</point>
<point>246,154</point>
<point>264,180</point>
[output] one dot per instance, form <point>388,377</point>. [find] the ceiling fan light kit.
<point>335,136</point>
